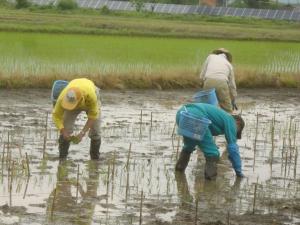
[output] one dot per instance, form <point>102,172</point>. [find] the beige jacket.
<point>219,68</point>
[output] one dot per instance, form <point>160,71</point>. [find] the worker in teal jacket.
<point>221,123</point>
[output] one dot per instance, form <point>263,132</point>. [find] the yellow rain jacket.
<point>89,103</point>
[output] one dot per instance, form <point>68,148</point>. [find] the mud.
<point>134,182</point>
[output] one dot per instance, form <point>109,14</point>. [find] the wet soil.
<point>134,182</point>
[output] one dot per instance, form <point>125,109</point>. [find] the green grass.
<point>52,56</point>
<point>146,24</point>
<point>141,50</point>
<point>64,53</point>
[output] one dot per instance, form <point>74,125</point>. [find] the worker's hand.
<point>65,134</point>
<point>234,106</point>
<point>80,135</point>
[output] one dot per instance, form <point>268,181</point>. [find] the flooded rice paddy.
<point>135,182</point>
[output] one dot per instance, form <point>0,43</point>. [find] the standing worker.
<point>221,123</point>
<point>79,95</point>
<point>217,72</point>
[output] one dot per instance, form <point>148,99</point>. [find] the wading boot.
<point>95,149</point>
<point>183,161</point>
<point>211,167</point>
<point>63,147</point>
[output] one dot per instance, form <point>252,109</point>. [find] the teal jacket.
<point>222,123</point>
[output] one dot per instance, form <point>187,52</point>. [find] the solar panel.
<point>223,10</point>
<point>163,9</point>
<point>95,2</point>
<point>295,16</point>
<point>230,11</point>
<point>170,8</point>
<point>219,11</point>
<point>214,11</point>
<point>185,9</point>
<point>192,10</point>
<point>206,10</point>
<point>264,13</point>
<point>177,9</point>
<point>243,12</point>
<point>271,14</point>
<point>267,14</point>
<point>200,10</point>
<point>238,12</point>
<point>286,15</point>
<point>279,14</point>
<point>123,5</point>
<point>131,7</point>
<point>80,3</point>
<point>90,3</point>
<point>247,12</point>
<point>275,14</point>
<point>85,3</point>
<point>97,6</point>
<point>158,7</point>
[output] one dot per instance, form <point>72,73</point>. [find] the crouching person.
<point>221,123</point>
<point>79,95</point>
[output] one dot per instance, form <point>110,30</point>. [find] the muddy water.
<point>135,183</point>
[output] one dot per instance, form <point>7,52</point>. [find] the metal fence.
<point>291,15</point>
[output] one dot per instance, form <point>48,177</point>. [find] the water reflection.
<point>212,196</point>
<point>63,207</point>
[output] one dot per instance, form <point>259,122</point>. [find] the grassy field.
<point>134,51</point>
<point>145,24</point>
<point>44,55</point>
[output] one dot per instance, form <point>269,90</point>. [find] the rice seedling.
<point>255,140</point>
<point>153,62</point>
<point>141,208</point>
<point>254,199</point>
<point>77,183</point>
<point>196,213</point>
<point>53,205</point>
<point>151,169</point>
<point>27,163</point>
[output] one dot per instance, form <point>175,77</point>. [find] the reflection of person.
<point>208,194</point>
<point>221,123</point>
<point>79,95</point>
<point>217,72</point>
<point>64,205</point>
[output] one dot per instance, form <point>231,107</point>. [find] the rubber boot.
<point>95,149</point>
<point>211,167</point>
<point>63,147</point>
<point>183,161</point>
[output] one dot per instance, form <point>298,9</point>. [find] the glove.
<point>235,159</point>
<point>234,106</point>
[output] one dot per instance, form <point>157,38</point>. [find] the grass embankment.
<point>160,81</point>
<point>146,24</point>
<point>167,59</point>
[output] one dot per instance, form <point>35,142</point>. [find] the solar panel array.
<point>185,9</point>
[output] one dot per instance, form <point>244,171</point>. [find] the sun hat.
<point>71,99</point>
<point>223,51</point>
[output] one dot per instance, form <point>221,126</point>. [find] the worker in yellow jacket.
<point>79,95</point>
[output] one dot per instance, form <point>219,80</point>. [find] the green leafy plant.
<point>67,5</point>
<point>74,140</point>
<point>105,10</point>
<point>22,4</point>
<point>138,4</point>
